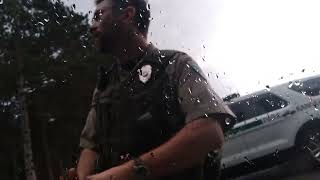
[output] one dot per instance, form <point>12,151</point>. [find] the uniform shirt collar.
<point>150,51</point>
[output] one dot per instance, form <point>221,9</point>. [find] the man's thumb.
<point>72,173</point>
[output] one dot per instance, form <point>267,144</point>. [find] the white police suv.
<point>274,120</point>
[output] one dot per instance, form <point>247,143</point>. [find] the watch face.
<point>140,169</point>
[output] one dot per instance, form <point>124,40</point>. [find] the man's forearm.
<point>186,149</point>
<point>87,163</point>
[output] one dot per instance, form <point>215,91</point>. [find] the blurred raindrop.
<point>297,83</point>
<point>1,2</point>
<point>248,161</point>
<point>73,6</point>
<point>41,23</point>
<point>198,100</point>
<point>171,62</point>
<point>268,87</point>
<point>228,121</point>
<point>52,120</point>
<point>276,153</point>
<point>166,96</point>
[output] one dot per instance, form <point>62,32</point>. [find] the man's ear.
<point>128,14</point>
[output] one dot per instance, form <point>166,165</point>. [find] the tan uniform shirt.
<point>197,98</point>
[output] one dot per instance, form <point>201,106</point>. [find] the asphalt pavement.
<point>292,170</point>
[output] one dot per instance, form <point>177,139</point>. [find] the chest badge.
<point>145,73</point>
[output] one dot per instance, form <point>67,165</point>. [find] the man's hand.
<point>123,172</point>
<point>72,174</point>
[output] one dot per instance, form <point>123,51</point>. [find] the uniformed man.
<point>153,114</point>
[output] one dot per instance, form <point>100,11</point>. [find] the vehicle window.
<point>309,87</point>
<point>256,106</point>
<point>123,77</point>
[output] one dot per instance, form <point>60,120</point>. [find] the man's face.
<point>104,27</point>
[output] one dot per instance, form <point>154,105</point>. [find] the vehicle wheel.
<point>308,145</point>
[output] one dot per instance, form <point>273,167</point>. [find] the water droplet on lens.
<point>228,121</point>
<point>248,161</point>
<point>268,88</point>
<point>41,23</point>
<point>297,83</point>
<point>276,153</point>
<point>52,120</point>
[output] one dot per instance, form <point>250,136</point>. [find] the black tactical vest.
<point>135,117</point>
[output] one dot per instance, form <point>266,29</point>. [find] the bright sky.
<point>245,44</point>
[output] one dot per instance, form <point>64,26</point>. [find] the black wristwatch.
<point>140,169</point>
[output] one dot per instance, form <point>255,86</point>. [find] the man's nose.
<point>93,27</point>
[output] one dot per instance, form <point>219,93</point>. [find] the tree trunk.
<point>46,149</point>
<point>26,132</point>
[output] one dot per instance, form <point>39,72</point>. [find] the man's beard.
<point>105,44</point>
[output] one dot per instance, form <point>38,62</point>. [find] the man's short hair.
<point>142,17</point>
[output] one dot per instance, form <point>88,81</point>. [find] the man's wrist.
<point>137,169</point>
<point>141,170</point>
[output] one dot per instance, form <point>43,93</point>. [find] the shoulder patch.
<point>196,67</point>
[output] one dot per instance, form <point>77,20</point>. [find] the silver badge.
<point>145,73</point>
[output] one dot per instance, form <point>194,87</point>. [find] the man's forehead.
<point>103,4</point>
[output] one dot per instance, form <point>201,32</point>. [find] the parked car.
<point>275,120</point>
